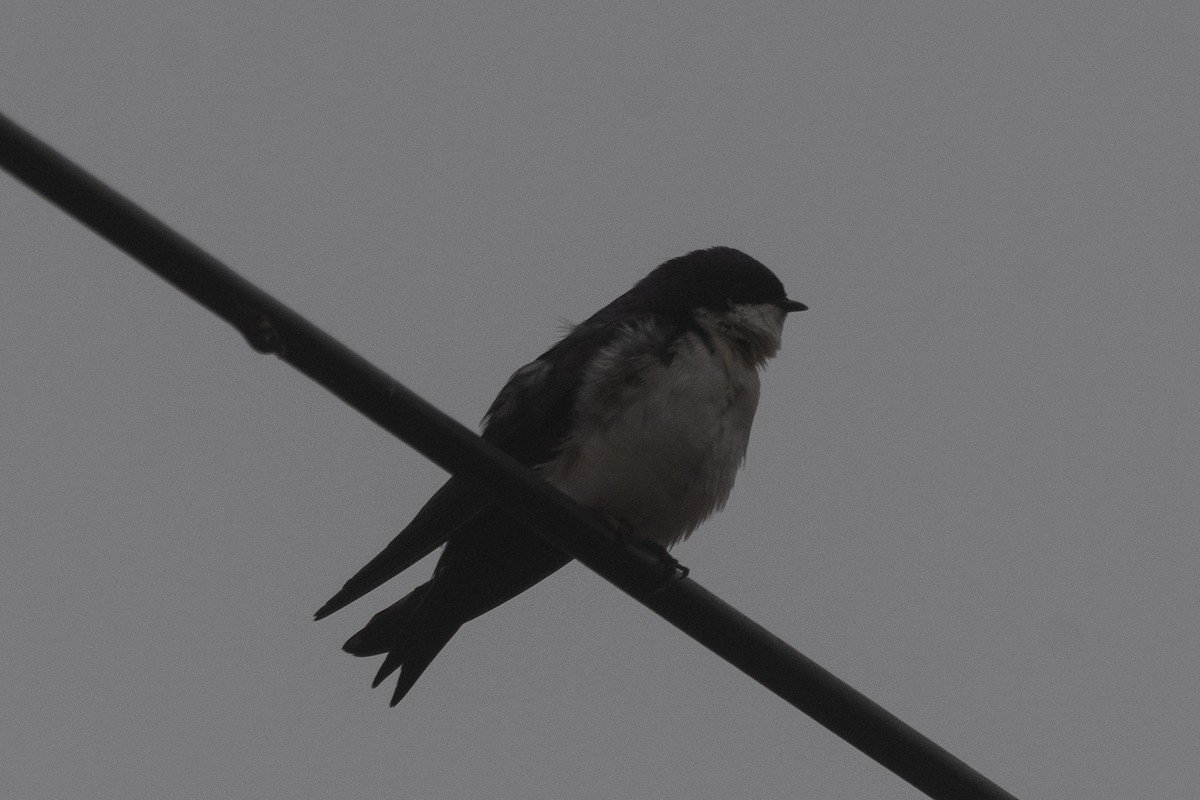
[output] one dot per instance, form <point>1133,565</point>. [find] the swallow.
<point>641,413</point>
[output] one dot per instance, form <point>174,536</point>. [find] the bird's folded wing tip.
<point>325,610</point>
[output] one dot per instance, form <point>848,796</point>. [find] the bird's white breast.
<point>660,448</point>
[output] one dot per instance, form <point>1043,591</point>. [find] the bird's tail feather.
<point>413,657</point>
<point>410,647</point>
<point>387,628</point>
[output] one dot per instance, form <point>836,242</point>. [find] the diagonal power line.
<point>271,327</point>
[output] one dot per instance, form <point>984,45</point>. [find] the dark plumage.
<point>556,411</point>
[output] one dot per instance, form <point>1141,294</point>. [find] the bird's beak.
<point>792,305</point>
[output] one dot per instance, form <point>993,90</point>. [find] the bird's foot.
<point>627,537</point>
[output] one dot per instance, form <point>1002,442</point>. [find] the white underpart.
<point>660,448</point>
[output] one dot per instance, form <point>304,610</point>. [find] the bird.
<point>641,414</point>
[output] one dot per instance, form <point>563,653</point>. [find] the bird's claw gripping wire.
<point>626,537</point>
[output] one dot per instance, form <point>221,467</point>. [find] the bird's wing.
<point>532,414</point>
<point>451,507</point>
<point>529,419</point>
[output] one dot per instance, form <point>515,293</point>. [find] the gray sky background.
<point>972,488</point>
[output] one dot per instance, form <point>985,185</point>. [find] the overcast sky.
<point>972,486</point>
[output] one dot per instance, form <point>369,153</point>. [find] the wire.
<point>271,327</point>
